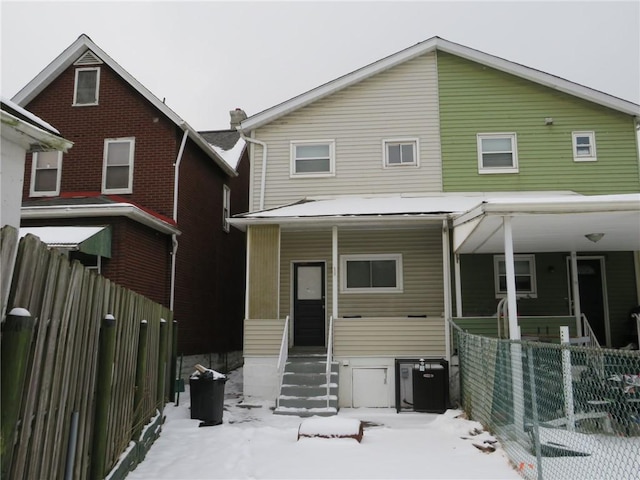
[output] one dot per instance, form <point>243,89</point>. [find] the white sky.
<point>209,57</point>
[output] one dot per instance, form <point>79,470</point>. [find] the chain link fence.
<point>560,411</point>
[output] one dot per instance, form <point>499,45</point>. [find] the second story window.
<point>87,86</point>
<point>497,153</point>
<point>117,170</point>
<point>584,146</point>
<point>226,207</point>
<point>313,159</point>
<point>45,174</point>
<point>400,152</point>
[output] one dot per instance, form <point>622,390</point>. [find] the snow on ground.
<point>253,443</point>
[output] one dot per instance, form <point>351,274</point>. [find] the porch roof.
<point>551,224</point>
<point>361,211</point>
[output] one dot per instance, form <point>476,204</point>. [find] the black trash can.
<point>207,397</point>
<point>431,385</point>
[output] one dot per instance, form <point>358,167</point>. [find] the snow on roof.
<point>384,205</point>
<point>61,236</point>
<point>232,156</point>
<point>33,119</point>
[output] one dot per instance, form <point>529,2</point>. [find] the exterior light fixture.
<point>594,237</point>
<point>548,121</point>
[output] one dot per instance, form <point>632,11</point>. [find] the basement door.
<point>308,304</point>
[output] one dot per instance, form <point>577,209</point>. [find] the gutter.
<point>263,179</point>
<point>174,237</point>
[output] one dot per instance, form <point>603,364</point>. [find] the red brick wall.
<point>121,112</point>
<point>140,256</point>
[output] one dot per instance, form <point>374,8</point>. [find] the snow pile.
<point>331,427</point>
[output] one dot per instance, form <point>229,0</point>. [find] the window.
<point>226,207</point>
<point>497,153</point>
<point>87,86</point>
<point>400,152</point>
<point>45,174</point>
<point>371,273</point>
<point>525,273</point>
<point>584,146</point>
<point>313,158</point>
<point>117,174</point>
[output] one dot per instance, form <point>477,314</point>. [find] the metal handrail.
<point>282,358</point>
<point>587,331</point>
<point>329,359</point>
<point>637,317</point>
<point>501,313</point>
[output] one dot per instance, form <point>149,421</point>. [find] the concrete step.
<point>307,390</point>
<point>308,402</point>
<point>310,366</point>
<point>308,379</point>
<point>306,412</point>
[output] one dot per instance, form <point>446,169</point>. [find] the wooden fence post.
<point>174,360</point>
<point>106,354</point>
<point>141,384</point>
<point>17,333</point>
<point>162,362</point>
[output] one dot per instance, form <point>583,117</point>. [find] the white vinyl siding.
<point>584,146</point>
<point>399,103</point>
<point>45,174</point>
<point>497,153</point>
<point>117,170</point>
<point>87,86</point>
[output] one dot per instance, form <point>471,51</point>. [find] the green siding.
<point>478,99</point>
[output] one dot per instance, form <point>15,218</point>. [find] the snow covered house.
<point>427,186</point>
<point>158,191</point>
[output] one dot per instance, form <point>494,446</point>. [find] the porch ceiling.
<point>551,225</point>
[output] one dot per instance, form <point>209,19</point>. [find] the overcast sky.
<point>209,57</point>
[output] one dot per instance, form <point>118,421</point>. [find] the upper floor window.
<point>117,171</point>
<point>45,174</point>
<point>313,158</point>
<point>226,207</point>
<point>584,146</point>
<point>87,86</point>
<point>525,275</point>
<point>371,273</point>
<point>497,153</point>
<point>400,152</point>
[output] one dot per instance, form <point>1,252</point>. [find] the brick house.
<point>161,190</point>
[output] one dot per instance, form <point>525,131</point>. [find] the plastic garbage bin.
<point>431,385</point>
<point>207,396</point>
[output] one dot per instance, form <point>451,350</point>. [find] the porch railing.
<point>501,315</point>
<point>587,331</point>
<point>282,357</point>
<point>329,359</point>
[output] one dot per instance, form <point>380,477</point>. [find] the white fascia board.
<point>107,210</point>
<point>429,45</point>
<point>26,135</point>
<point>346,220</point>
<point>71,54</point>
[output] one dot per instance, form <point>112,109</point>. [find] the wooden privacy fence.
<point>85,366</point>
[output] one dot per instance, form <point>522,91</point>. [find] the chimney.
<point>237,116</point>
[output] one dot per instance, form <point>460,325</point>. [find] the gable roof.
<point>228,144</point>
<point>79,48</point>
<point>431,45</point>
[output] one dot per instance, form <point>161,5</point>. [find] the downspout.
<point>263,179</point>
<point>174,237</point>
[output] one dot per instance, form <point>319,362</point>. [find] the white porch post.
<point>575,293</point>
<point>458,281</point>
<point>334,272</point>
<point>446,274</point>
<point>514,333</point>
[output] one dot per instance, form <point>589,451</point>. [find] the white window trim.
<point>592,141</point>
<point>52,193</point>
<point>532,265</point>
<point>416,152</point>
<point>226,208</point>
<point>514,145</point>
<point>372,257</point>
<point>129,188</point>
<point>332,158</point>
<point>75,87</point>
